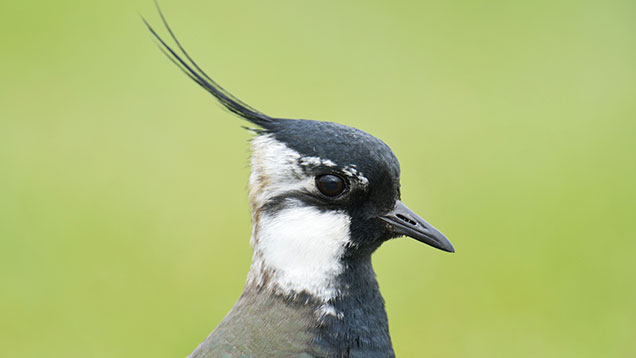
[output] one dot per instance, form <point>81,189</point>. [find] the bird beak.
<point>404,221</point>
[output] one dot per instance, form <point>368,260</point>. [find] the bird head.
<point>321,194</point>
<point>336,171</point>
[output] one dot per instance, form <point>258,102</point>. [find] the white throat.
<point>297,248</point>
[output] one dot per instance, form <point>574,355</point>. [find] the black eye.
<point>330,185</point>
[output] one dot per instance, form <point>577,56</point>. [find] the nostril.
<point>407,219</point>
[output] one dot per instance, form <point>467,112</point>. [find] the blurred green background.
<point>124,224</point>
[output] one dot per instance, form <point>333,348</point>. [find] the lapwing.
<point>323,197</point>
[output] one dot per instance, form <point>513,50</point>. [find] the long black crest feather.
<point>192,70</point>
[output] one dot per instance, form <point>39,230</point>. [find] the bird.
<point>323,197</point>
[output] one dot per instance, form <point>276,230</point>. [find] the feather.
<point>192,70</point>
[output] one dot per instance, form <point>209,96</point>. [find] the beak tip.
<point>445,246</point>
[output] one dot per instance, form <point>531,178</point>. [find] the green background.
<point>124,223</point>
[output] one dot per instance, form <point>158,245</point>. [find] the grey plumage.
<point>264,325</point>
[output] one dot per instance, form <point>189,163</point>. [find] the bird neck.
<point>300,260</point>
<point>357,316</point>
<point>353,320</point>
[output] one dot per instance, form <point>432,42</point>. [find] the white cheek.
<point>297,249</point>
<point>303,247</point>
<point>275,171</point>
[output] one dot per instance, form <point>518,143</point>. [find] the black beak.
<point>404,221</point>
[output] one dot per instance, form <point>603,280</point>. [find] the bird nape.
<point>323,198</point>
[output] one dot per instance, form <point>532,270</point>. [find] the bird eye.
<point>331,185</point>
